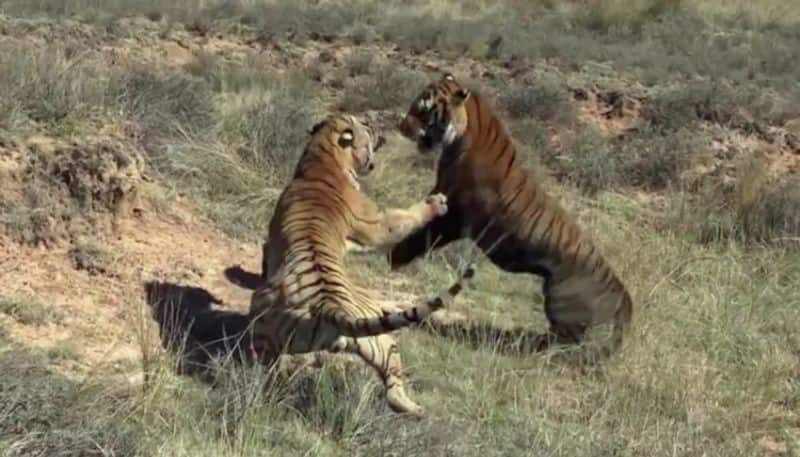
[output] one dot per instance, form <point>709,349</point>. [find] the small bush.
<point>275,134</point>
<point>166,104</point>
<point>655,161</point>
<point>589,163</point>
<point>363,33</point>
<point>239,168</point>
<point>413,33</point>
<point>41,216</point>
<point>745,107</point>
<point>274,129</point>
<point>756,208</point>
<point>30,312</point>
<point>88,255</point>
<point>531,134</point>
<point>547,100</point>
<point>771,213</point>
<point>64,351</point>
<point>359,63</point>
<point>234,77</point>
<point>50,85</point>
<point>447,34</point>
<point>684,106</point>
<point>388,87</point>
<point>625,15</point>
<point>650,160</point>
<point>30,223</point>
<point>326,20</point>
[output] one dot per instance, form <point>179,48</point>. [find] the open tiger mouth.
<point>426,141</point>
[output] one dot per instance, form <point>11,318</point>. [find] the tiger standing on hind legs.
<point>496,203</point>
<point>306,301</point>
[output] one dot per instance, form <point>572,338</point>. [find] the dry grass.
<point>385,87</point>
<point>650,159</point>
<point>56,86</point>
<point>548,100</point>
<point>90,255</point>
<point>756,209</point>
<point>710,367</point>
<point>30,311</point>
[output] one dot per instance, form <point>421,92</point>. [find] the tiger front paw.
<point>437,203</point>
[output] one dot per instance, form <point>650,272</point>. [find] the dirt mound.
<point>55,190</point>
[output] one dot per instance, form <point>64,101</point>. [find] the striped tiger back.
<point>497,203</point>
<point>306,301</point>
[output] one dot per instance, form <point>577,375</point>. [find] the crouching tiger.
<point>306,301</point>
<point>496,203</point>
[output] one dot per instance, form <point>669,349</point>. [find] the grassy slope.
<point>711,366</point>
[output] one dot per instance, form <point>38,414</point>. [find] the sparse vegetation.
<point>547,100</point>
<point>56,86</point>
<point>385,88</point>
<point>649,160</point>
<point>656,162</point>
<point>590,163</point>
<point>755,209</point>
<point>743,107</point>
<point>166,105</point>
<point>89,255</point>
<point>273,131</point>
<point>30,311</point>
<point>29,222</point>
<point>626,16</point>
<point>360,63</point>
<point>667,125</point>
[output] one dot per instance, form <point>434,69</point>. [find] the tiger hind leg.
<point>561,334</point>
<point>381,353</point>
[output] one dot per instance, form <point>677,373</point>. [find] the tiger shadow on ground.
<point>481,336</point>
<point>517,341</point>
<point>214,346</point>
<point>243,278</point>
<point>478,336</point>
<point>192,330</point>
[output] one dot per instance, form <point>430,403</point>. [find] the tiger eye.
<point>346,138</point>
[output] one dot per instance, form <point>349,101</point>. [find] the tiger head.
<point>438,115</point>
<point>351,142</point>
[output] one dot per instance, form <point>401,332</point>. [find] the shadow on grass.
<point>478,336</point>
<point>516,341</point>
<point>520,342</point>
<point>243,278</point>
<point>196,333</point>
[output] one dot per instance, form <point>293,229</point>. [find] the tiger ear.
<point>448,77</point>
<point>461,96</point>
<point>315,128</point>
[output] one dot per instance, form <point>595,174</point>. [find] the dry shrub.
<point>754,208</point>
